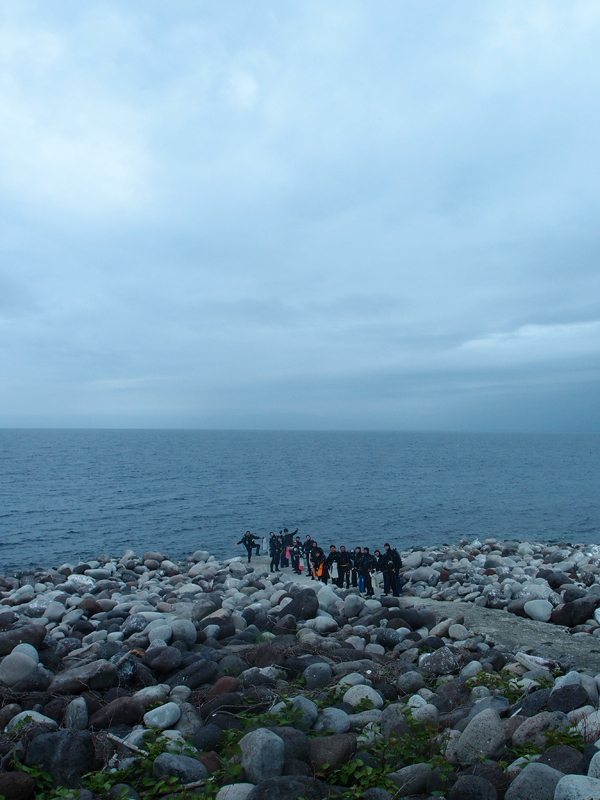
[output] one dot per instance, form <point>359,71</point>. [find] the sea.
<point>67,495</point>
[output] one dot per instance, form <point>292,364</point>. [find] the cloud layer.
<point>325,215</point>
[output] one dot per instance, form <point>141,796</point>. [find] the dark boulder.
<point>303,606</point>
<point>289,788</point>
<point>65,755</point>
<point>122,711</point>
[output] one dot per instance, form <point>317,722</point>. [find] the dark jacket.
<point>275,547</point>
<point>249,541</point>
<point>390,561</point>
<point>368,563</point>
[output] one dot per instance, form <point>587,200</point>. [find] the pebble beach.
<point>137,676</point>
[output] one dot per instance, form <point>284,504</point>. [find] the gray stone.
<point>410,682</point>
<point>332,751</point>
<point>483,736</point>
<point>473,787</point>
<point>203,608</point>
<point>363,694</point>
<point>539,610</point>
<point>594,767</point>
<point>533,730</point>
<point>186,769</point>
<point>29,719</point>
<point>76,715</point>
<point>333,720</point>
<point>317,675</point>
<point>235,791</point>
<point>30,634</point>
<point>289,787</point>
<point>55,611</point>
<point>189,722</point>
<point>162,717</point>
<point>535,782</point>
<point>15,667</point>
<point>184,630</point>
<point>308,712</point>
<point>352,606</point>
<point>97,675</point>
<point>393,721</point>
<point>577,787</point>
<point>411,779</point>
<point>442,662</point>
<point>162,633</point>
<point>30,651</point>
<point>262,755</point>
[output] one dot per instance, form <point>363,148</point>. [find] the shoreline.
<point>141,646</point>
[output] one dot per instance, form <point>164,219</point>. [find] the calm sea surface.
<point>66,494</point>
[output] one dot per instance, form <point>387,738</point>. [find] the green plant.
<point>568,737</point>
<point>372,766</point>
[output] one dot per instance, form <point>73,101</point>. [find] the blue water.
<point>66,494</point>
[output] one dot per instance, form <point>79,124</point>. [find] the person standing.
<point>319,565</point>
<point>275,552</point>
<point>368,564</point>
<point>249,543</point>
<point>296,553</point>
<point>332,559</point>
<point>390,566</point>
<point>344,563</point>
<point>307,545</point>
<point>288,539</point>
<point>356,558</point>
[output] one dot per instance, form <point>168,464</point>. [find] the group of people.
<point>355,568</point>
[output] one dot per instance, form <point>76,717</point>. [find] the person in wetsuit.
<point>332,559</point>
<point>390,564</point>
<point>368,564</point>
<point>307,546</point>
<point>356,558</point>
<point>275,547</point>
<point>344,564</point>
<point>249,543</point>
<point>296,551</point>
<point>319,565</point>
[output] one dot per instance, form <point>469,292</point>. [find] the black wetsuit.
<point>368,563</point>
<point>390,563</point>
<point>249,543</point>
<point>344,564</point>
<point>275,553</point>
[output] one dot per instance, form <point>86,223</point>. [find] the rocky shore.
<point>140,677</point>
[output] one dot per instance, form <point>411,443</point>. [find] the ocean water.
<point>66,494</point>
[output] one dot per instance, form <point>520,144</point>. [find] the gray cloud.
<point>328,215</point>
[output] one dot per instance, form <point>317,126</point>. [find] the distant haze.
<point>300,215</point>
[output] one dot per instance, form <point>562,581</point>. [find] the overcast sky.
<point>300,215</point>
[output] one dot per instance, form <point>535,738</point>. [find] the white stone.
<point>358,694</point>
<point>577,787</point>
<point>27,718</point>
<point>162,717</point>
<point>353,679</point>
<point>539,610</point>
<point>150,695</point>
<point>28,650</point>
<point>235,791</point>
